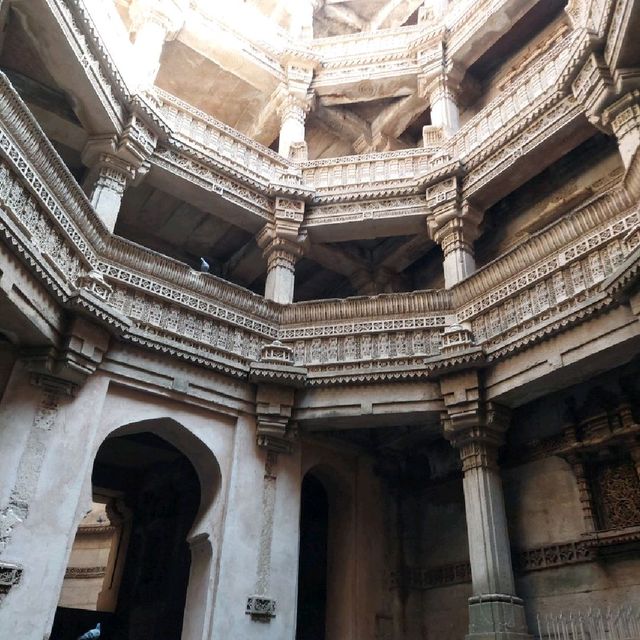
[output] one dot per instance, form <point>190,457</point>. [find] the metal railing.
<point>613,623</point>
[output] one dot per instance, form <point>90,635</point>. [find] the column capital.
<point>168,14</point>
<point>623,115</point>
<point>478,434</point>
<point>295,105</point>
<point>283,232</point>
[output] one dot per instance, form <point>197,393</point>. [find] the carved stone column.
<point>445,112</point>
<point>456,238</point>
<point>293,114</point>
<point>453,224</point>
<point>296,100</point>
<point>623,117</point>
<point>154,22</point>
<point>105,185</point>
<point>477,430</point>
<point>282,243</point>
<point>114,163</point>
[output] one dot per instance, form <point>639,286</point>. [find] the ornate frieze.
<point>534,559</point>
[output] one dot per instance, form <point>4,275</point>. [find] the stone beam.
<point>469,45</point>
<point>393,14</point>
<point>245,265</point>
<point>265,127</point>
<point>336,260</point>
<point>404,255</point>
<point>345,15</point>
<point>394,120</point>
<point>93,103</point>
<point>344,123</point>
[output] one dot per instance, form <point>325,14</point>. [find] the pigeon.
<point>91,634</point>
<point>204,266</point>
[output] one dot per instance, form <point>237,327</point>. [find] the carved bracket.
<point>261,608</point>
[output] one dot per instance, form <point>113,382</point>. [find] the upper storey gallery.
<point>338,144</point>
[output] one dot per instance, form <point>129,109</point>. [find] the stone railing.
<point>187,123</point>
<point>536,296</point>
<point>501,113</point>
<point>550,281</point>
<point>101,72</point>
<point>352,177</point>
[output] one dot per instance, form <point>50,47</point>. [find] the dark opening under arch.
<point>146,494</point>
<point>312,572</point>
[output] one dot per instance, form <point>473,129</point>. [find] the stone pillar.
<point>282,243</point>
<point>445,112</point>
<point>105,185</point>
<point>277,380</point>
<point>623,118</point>
<point>113,164</point>
<point>453,224</point>
<point>477,431</point>
<point>154,21</point>
<point>456,239</point>
<point>293,113</point>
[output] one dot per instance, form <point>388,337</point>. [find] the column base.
<point>497,617</point>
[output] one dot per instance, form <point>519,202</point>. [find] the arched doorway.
<point>130,562</point>
<point>312,571</point>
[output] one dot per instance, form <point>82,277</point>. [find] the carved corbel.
<point>277,380</point>
<point>63,369</point>
<point>10,575</point>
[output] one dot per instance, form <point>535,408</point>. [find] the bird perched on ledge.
<point>91,634</point>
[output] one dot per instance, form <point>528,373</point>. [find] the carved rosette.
<point>261,608</point>
<point>10,575</point>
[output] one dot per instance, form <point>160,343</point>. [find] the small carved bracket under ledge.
<point>261,608</point>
